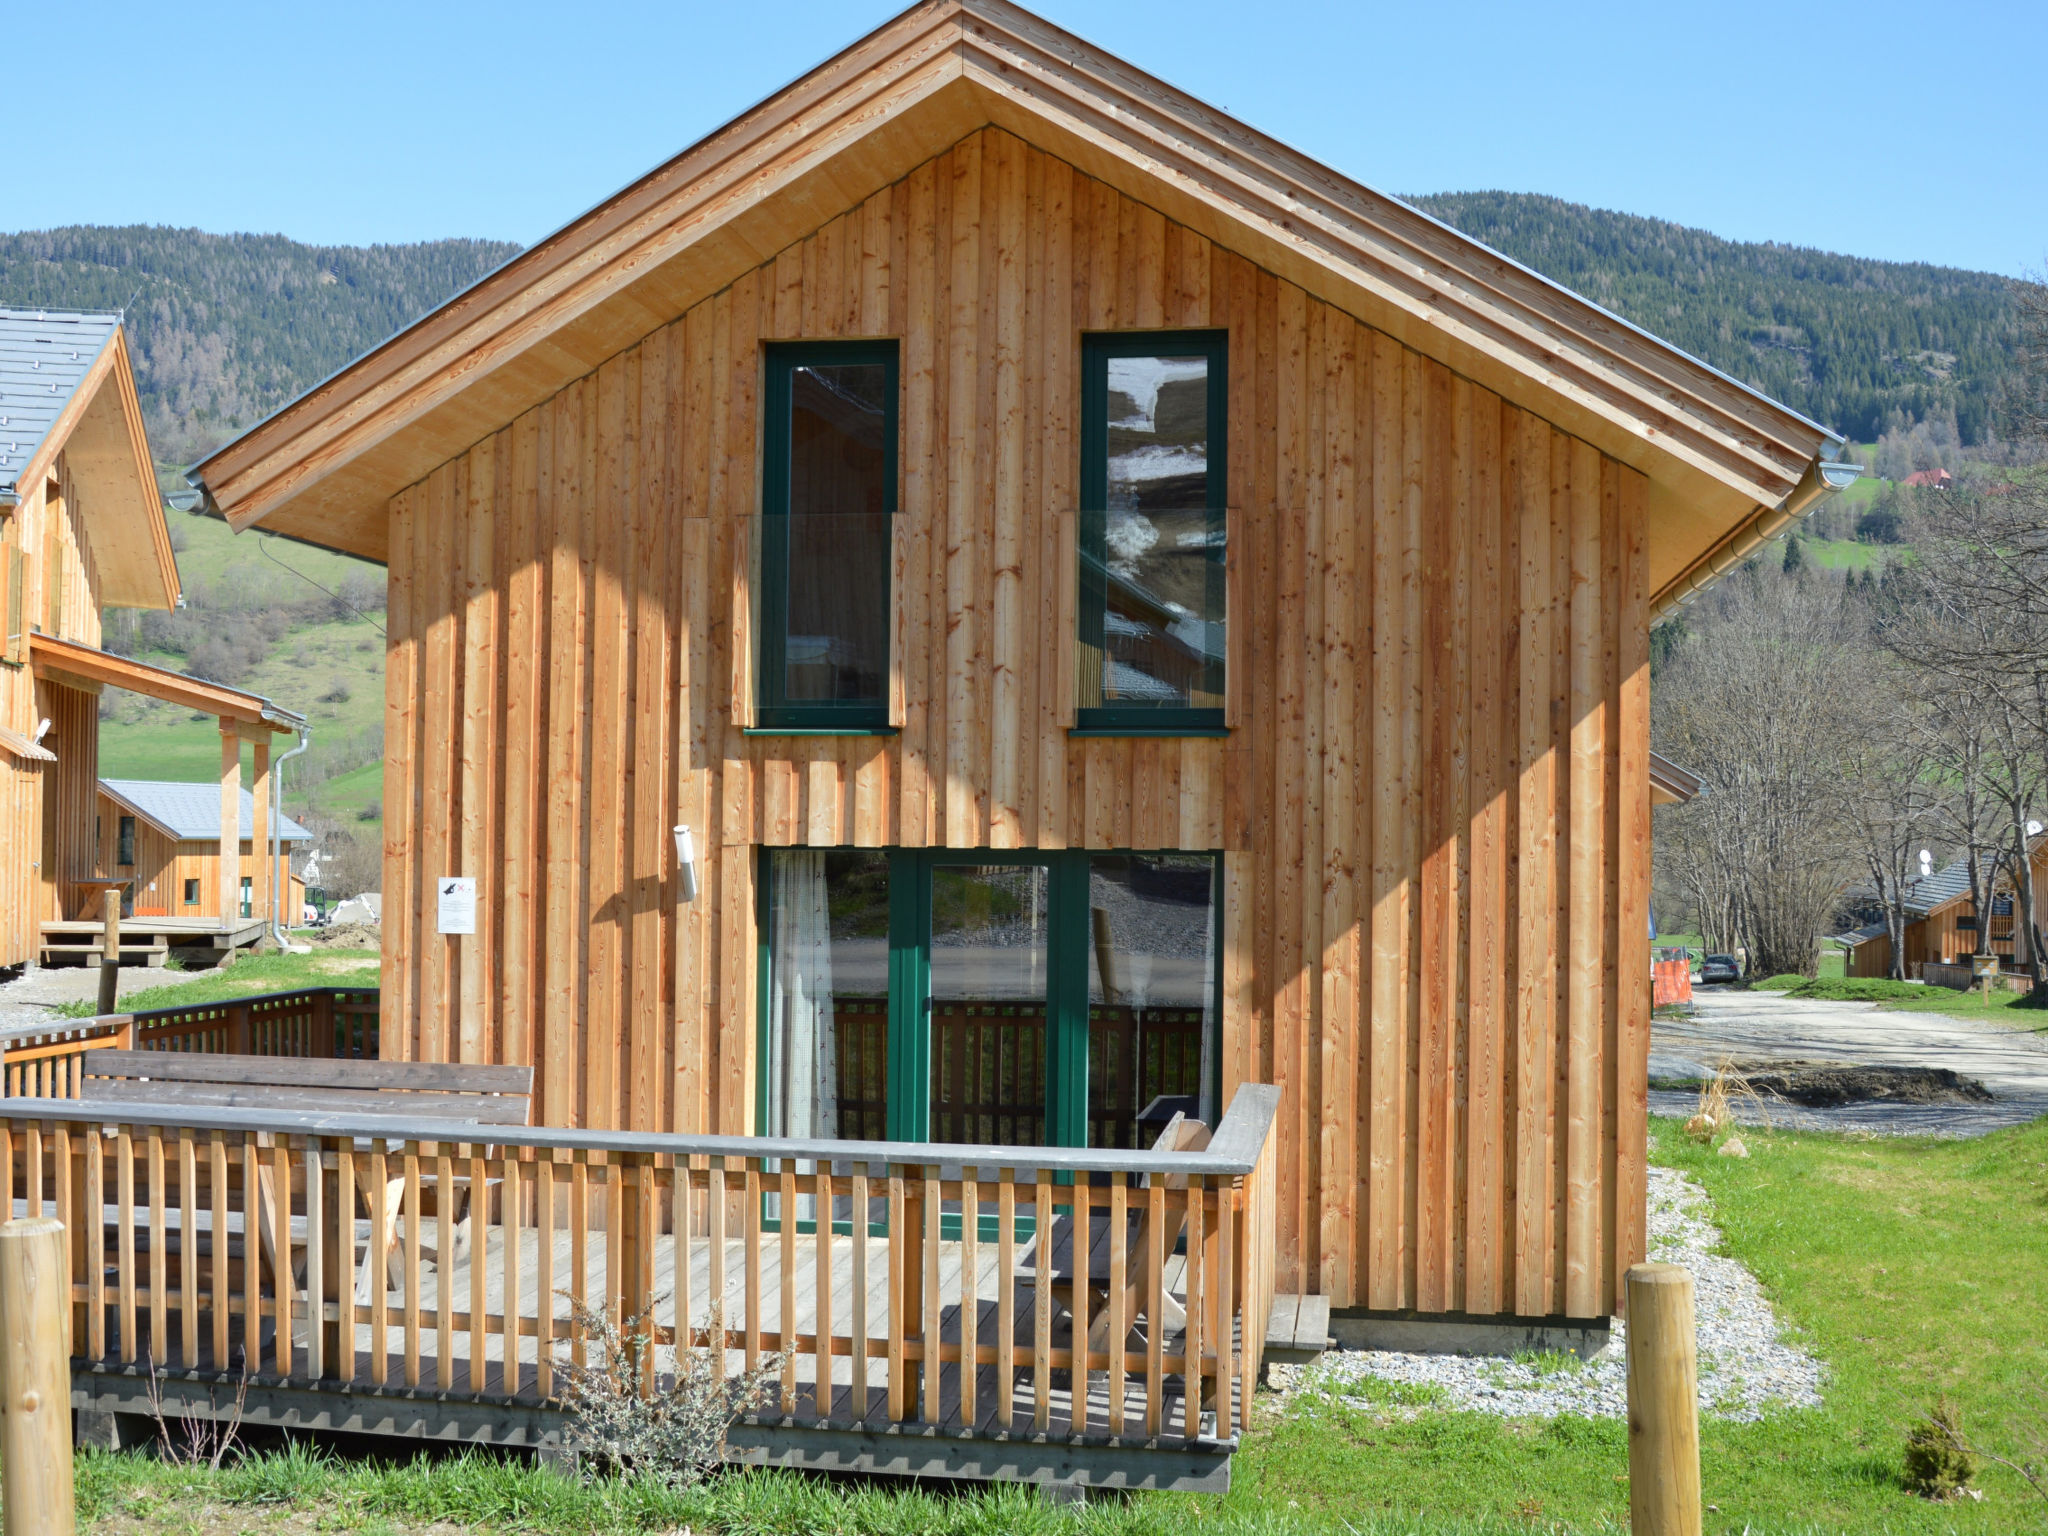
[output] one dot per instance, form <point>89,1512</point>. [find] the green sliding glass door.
<point>983,997</point>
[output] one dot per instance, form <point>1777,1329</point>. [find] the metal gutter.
<point>1822,479</point>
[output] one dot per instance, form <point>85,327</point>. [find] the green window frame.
<point>1068,1016</point>
<point>125,848</point>
<point>773,710</point>
<point>1097,352</point>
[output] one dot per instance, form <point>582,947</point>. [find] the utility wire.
<point>264,544</point>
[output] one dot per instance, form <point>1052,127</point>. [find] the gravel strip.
<point>1747,1366</point>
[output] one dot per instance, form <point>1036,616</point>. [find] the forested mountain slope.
<point>226,328</point>
<point>1861,346</point>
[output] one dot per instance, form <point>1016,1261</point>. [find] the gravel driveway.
<point>1749,1026</point>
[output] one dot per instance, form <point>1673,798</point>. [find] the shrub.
<point>1938,1464</point>
<point>625,1419</point>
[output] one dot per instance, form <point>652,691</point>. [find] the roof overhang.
<point>101,436</point>
<point>1718,455</point>
<point>1671,784</point>
<point>85,666</point>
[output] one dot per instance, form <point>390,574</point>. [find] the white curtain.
<point>804,1086</point>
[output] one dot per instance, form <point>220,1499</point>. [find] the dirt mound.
<point>346,936</point>
<point>1832,1084</point>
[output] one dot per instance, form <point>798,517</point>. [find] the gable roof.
<point>1727,467</point>
<point>66,386</point>
<point>44,356</point>
<point>191,812</point>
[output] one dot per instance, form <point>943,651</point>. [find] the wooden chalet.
<point>989,603</point>
<point>81,528</point>
<point>1942,926</point>
<point>163,838</point>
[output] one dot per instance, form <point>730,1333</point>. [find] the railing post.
<point>1663,1403</point>
<point>239,1041</point>
<point>35,1378</point>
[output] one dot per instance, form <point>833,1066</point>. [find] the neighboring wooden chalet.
<point>1121,610</point>
<point>164,839</point>
<point>81,527</point>
<point>1942,923</point>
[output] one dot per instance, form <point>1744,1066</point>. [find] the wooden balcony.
<point>944,1320</point>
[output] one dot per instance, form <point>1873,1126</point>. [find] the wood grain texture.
<point>1434,856</point>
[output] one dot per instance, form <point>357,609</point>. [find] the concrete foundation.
<point>1463,1334</point>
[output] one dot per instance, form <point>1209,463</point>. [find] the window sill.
<point>820,730</point>
<point>1211,731</point>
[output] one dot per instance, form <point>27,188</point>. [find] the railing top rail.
<point>62,1029</point>
<point>1233,1151</point>
<point>85,1028</point>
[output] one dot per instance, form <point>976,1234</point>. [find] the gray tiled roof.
<point>45,355</point>
<point>1923,896</point>
<point>192,811</point>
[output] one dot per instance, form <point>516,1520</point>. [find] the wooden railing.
<point>375,1250</point>
<point>313,1021</point>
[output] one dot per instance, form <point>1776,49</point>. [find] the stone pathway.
<point>1747,1365</point>
<point>28,1002</point>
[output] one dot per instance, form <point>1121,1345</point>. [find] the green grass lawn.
<point>1911,1267</point>
<point>2015,1009</point>
<point>248,976</point>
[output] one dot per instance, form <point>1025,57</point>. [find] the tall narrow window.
<point>829,499</point>
<point>127,842</point>
<point>1153,473</point>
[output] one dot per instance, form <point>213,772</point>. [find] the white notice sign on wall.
<point>457,904</point>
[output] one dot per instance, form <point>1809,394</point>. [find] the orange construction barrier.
<point>1672,981</point>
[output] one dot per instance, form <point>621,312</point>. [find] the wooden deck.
<point>144,940</point>
<point>303,1255</point>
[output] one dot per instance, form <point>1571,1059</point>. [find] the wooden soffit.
<point>101,437</point>
<point>84,666</point>
<point>323,468</point>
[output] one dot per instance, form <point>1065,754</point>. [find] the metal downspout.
<point>278,886</point>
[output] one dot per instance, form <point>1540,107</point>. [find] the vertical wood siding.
<point>1433,803</point>
<point>62,579</point>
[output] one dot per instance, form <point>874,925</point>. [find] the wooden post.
<point>230,826</point>
<point>110,947</point>
<point>1663,1403</point>
<point>35,1378</point>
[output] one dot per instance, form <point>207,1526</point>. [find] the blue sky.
<point>1908,132</point>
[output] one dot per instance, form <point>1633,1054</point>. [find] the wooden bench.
<point>474,1095</point>
<point>463,1095</point>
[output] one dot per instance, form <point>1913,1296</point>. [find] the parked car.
<point>1720,968</point>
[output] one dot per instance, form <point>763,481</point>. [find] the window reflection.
<point>1151,993</point>
<point>837,650</point>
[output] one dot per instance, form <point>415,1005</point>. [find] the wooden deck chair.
<point>1180,1135</point>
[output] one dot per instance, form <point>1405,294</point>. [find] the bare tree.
<point>1889,791</point>
<point>1750,699</point>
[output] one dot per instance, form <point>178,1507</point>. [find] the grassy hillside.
<point>1860,346</point>
<point>261,611</point>
<point>226,328</point>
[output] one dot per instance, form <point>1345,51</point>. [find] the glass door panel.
<point>1151,993</point>
<point>825,1061</point>
<point>990,950</point>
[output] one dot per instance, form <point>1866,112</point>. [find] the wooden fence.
<point>314,1021</point>
<point>944,1284</point>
